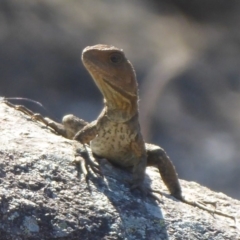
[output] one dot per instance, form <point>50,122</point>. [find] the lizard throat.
<point>119,102</point>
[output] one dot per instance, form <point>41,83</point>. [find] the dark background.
<point>186,55</point>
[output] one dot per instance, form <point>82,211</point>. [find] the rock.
<point>42,196</point>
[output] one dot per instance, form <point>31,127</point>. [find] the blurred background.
<point>186,55</point>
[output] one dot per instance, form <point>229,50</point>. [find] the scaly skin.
<point>116,134</point>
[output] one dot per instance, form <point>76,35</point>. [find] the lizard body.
<point>116,134</point>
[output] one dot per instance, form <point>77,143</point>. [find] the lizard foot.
<point>87,164</point>
<point>146,191</point>
<point>34,116</point>
<point>202,205</point>
<point>20,108</point>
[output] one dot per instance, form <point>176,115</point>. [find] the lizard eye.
<point>116,57</point>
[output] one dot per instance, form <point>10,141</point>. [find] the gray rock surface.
<point>186,55</point>
<point>42,197</point>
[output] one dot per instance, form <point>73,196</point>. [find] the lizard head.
<point>114,76</point>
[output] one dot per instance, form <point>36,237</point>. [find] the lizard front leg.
<point>84,136</point>
<point>75,128</point>
<point>68,128</point>
<point>139,161</point>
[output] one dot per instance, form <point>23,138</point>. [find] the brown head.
<point>115,77</point>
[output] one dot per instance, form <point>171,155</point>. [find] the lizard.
<point>116,133</point>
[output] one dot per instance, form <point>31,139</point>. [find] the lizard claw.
<point>87,163</point>
<point>202,205</point>
<point>146,191</point>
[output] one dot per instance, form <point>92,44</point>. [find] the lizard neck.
<point>120,106</point>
